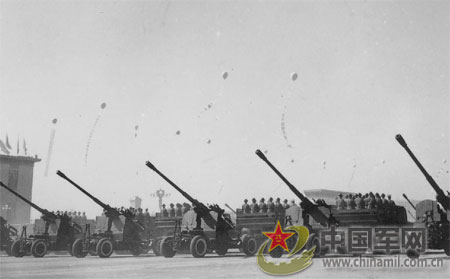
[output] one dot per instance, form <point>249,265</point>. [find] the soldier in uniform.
<point>172,210</point>
<point>285,204</point>
<point>372,202</point>
<point>359,201</point>
<point>384,200</point>
<point>270,205</point>
<point>378,201</point>
<point>254,208</point>
<point>340,203</point>
<point>164,211</point>
<point>185,208</point>
<point>278,205</point>
<point>262,206</point>
<point>350,202</point>
<point>390,202</point>
<point>178,211</point>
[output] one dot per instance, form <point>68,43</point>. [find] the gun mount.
<point>309,207</point>
<point>109,211</point>
<point>46,215</point>
<point>441,197</point>
<point>202,210</point>
<point>406,198</point>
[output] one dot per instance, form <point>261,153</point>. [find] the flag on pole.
<point>7,142</point>
<point>3,147</point>
<point>18,147</point>
<point>24,147</point>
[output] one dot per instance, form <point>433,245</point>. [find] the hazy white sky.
<point>367,70</point>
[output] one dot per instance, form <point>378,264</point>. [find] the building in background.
<point>136,202</point>
<point>17,173</point>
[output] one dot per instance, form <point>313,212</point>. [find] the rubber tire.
<point>249,245</point>
<point>101,245</point>
<point>314,240</point>
<point>221,251</point>
<point>165,248</point>
<point>38,248</point>
<point>199,246</point>
<point>157,247</point>
<point>15,249</point>
<point>77,249</point>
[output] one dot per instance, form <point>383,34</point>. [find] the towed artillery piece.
<point>8,234</point>
<point>428,213</point>
<point>204,229</point>
<point>318,215</point>
<point>39,244</point>
<point>127,235</point>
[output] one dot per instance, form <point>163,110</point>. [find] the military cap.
<point>245,200</point>
<point>278,199</point>
<point>389,195</point>
<point>285,200</point>
<point>262,199</point>
<point>270,199</point>
<point>253,200</point>
<point>383,195</point>
<point>340,195</point>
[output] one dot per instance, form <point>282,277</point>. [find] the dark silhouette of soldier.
<point>246,207</point>
<point>178,211</point>
<point>270,205</point>
<point>164,211</point>
<point>172,210</point>
<point>262,206</point>
<point>254,207</point>
<point>285,204</point>
<point>340,203</point>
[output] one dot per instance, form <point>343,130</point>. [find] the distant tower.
<point>160,194</point>
<point>17,173</point>
<point>136,202</point>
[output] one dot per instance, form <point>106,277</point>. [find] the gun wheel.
<point>38,248</point>
<point>77,249</point>
<point>166,248</point>
<point>104,248</point>
<point>198,246</point>
<point>16,249</point>
<point>157,247</point>
<point>249,245</point>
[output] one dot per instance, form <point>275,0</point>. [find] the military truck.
<point>125,236</point>
<point>8,234</point>
<point>203,229</point>
<point>317,216</point>
<point>433,215</point>
<point>39,244</point>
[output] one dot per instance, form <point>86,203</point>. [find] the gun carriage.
<point>39,244</point>
<point>8,234</point>
<point>125,236</point>
<point>428,212</point>
<point>203,229</point>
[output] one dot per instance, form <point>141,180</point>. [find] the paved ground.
<point>233,265</point>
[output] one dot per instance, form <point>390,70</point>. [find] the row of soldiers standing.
<point>359,201</point>
<point>177,210</point>
<point>263,207</point>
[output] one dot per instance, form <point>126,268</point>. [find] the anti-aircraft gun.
<point>310,209</point>
<point>125,237</point>
<point>203,229</point>
<point>428,213</point>
<point>8,234</point>
<point>39,244</point>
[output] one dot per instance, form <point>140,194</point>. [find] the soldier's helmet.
<point>171,205</point>
<point>285,200</point>
<point>270,199</point>
<point>164,206</point>
<point>389,196</point>
<point>278,199</point>
<point>340,195</point>
<point>253,200</point>
<point>245,200</point>
<point>383,195</point>
<point>262,200</point>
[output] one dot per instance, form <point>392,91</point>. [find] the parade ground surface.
<point>233,265</point>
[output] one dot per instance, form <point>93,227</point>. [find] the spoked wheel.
<point>38,248</point>
<point>166,248</point>
<point>78,249</point>
<point>16,249</point>
<point>104,248</point>
<point>199,246</point>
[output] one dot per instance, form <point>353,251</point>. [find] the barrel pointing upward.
<point>97,201</point>
<point>44,212</point>
<point>441,198</point>
<point>308,206</point>
<point>406,198</point>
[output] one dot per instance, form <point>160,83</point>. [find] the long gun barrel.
<point>111,211</point>
<point>441,197</point>
<point>406,198</point>
<point>199,207</point>
<point>229,207</point>
<point>311,208</point>
<point>47,214</point>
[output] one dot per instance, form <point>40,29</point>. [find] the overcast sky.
<point>366,70</point>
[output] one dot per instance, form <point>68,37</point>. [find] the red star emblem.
<point>278,238</point>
